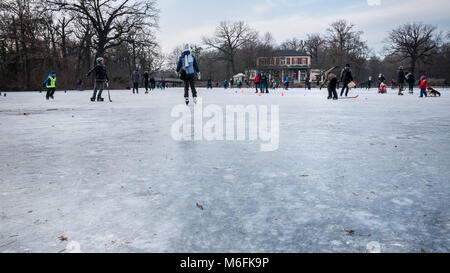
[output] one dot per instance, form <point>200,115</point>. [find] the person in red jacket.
<point>257,81</point>
<point>423,86</point>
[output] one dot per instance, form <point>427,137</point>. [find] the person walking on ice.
<point>101,76</point>
<point>346,78</point>
<point>401,80</point>
<point>50,84</point>
<point>135,77</point>
<point>187,67</point>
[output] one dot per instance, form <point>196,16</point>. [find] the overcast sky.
<point>187,21</point>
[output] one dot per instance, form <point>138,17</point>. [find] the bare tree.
<point>315,46</point>
<point>345,43</point>
<point>413,41</point>
<point>112,20</point>
<point>228,38</point>
<point>293,44</point>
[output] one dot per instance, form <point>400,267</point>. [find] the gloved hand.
<point>199,75</point>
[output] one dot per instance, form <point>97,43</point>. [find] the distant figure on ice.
<point>101,76</point>
<point>50,84</point>
<point>152,84</point>
<point>135,78</point>
<point>286,83</point>
<point>332,93</point>
<point>308,83</point>
<point>264,82</point>
<point>80,85</point>
<point>231,83</point>
<point>393,83</point>
<point>146,81</point>
<point>239,84</point>
<point>411,81</point>
<point>257,80</point>
<point>187,67</point>
<point>225,84</point>
<point>209,84</point>
<point>346,78</point>
<point>401,80</point>
<point>381,79</point>
<point>423,86</point>
<point>369,83</point>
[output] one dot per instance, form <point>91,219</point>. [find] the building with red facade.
<point>283,63</point>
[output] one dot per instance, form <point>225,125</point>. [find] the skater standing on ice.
<point>286,83</point>
<point>263,82</point>
<point>152,84</point>
<point>423,86</point>
<point>411,81</point>
<point>146,81</point>
<point>346,78</point>
<point>257,79</point>
<point>187,67</point>
<point>401,80</point>
<point>101,76</point>
<point>369,83</point>
<point>332,93</point>
<point>50,84</point>
<point>135,78</point>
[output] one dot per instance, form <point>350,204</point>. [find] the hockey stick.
<point>109,95</point>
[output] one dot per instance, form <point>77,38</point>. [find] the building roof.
<point>287,53</point>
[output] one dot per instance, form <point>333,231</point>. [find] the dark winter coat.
<point>346,75</point>
<point>411,79</point>
<point>401,76</point>
<point>332,83</point>
<point>263,79</point>
<point>100,73</point>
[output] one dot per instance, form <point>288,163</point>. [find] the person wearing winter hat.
<point>423,86</point>
<point>187,67</point>
<point>50,84</point>
<point>101,76</point>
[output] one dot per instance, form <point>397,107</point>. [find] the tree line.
<point>67,35</point>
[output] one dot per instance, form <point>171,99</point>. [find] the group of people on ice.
<point>189,71</point>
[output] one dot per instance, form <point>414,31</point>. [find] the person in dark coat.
<point>332,83</point>
<point>264,83</point>
<point>400,80</point>
<point>101,77</point>
<point>411,81</point>
<point>346,78</point>
<point>188,67</point>
<point>146,81</point>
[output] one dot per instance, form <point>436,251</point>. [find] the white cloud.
<point>374,2</point>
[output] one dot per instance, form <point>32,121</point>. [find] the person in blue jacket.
<point>187,68</point>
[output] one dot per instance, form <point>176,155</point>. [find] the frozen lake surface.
<point>359,175</point>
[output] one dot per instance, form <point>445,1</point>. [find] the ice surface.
<point>349,176</point>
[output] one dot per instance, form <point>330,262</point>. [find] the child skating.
<point>50,84</point>
<point>101,76</point>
